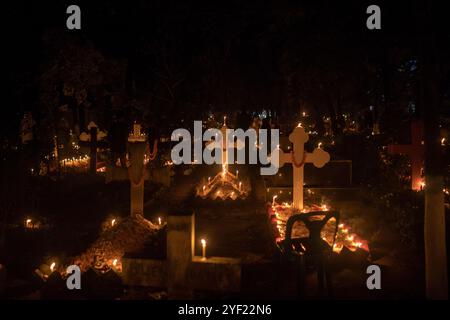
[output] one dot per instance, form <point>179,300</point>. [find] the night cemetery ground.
<point>227,150</point>
<point>238,229</point>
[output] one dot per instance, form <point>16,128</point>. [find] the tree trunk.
<point>435,242</point>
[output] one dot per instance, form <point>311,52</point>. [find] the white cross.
<point>298,157</point>
<point>225,144</point>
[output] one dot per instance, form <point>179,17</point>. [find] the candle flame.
<point>52,266</point>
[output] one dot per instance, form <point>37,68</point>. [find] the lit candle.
<point>422,185</point>
<point>299,124</point>
<point>319,145</point>
<point>52,266</point>
<point>28,223</point>
<point>115,262</point>
<point>203,241</point>
<point>273,199</point>
<point>159,220</point>
<point>136,129</point>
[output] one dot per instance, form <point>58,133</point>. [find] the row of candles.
<point>75,162</point>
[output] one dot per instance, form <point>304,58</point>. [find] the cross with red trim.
<point>415,151</point>
<point>298,157</point>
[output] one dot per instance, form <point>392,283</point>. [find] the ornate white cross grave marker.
<point>298,157</point>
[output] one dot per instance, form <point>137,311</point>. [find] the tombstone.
<point>298,158</point>
<point>93,140</point>
<point>182,273</point>
<point>415,151</point>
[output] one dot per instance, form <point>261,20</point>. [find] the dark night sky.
<point>114,27</point>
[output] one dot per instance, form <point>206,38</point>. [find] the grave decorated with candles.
<point>288,193</point>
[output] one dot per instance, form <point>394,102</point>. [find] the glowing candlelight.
<point>422,185</point>
<point>273,199</point>
<point>204,188</point>
<point>443,141</point>
<point>115,262</point>
<point>299,125</point>
<point>240,186</point>
<point>319,145</point>
<point>203,241</point>
<point>224,170</point>
<point>52,266</point>
<point>28,223</point>
<point>113,222</point>
<point>159,221</point>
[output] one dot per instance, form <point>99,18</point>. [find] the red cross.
<point>415,151</point>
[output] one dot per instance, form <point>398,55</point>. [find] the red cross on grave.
<point>415,152</point>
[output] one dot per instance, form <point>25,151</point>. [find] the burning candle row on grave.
<point>224,185</point>
<point>76,162</point>
<point>31,224</point>
<point>280,214</point>
<point>137,135</point>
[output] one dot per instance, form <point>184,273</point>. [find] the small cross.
<point>415,151</point>
<point>93,140</point>
<point>298,157</point>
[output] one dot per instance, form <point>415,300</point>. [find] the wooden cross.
<point>93,141</point>
<point>298,157</point>
<point>183,272</point>
<point>415,151</point>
